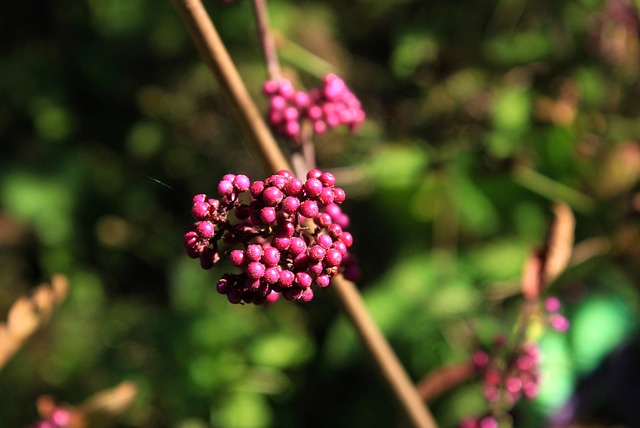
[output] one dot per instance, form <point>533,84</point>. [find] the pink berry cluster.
<point>486,421</point>
<point>555,319</point>
<point>286,235</point>
<point>59,418</point>
<point>510,378</point>
<point>507,378</point>
<point>325,108</point>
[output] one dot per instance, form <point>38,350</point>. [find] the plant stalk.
<point>266,39</point>
<point>231,86</point>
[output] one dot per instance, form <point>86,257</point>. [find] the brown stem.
<point>27,314</point>
<point>214,53</point>
<point>388,365</point>
<point>230,83</point>
<point>266,39</point>
<point>444,379</point>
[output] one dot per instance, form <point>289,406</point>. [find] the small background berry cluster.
<point>59,418</point>
<point>286,237</point>
<point>327,107</point>
<point>507,378</point>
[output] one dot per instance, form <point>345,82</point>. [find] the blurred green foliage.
<point>480,115</point>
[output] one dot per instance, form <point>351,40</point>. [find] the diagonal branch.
<point>215,55</point>
<point>233,90</point>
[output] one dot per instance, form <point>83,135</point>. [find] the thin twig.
<point>28,314</point>
<point>215,55</point>
<point>266,39</point>
<point>230,83</point>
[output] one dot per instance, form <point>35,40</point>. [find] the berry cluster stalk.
<point>262,142</point>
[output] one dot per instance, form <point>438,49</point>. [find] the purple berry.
<point>268,215</point>
<point>290,204</point>
<point>205,229</point>
<point>241,183</point>
<point>303,280</point>
<point>285,173</point>
<point>323,280</point>
<point>340,246</point>
<point>339,195</point>
<point>309,209</point>
<point>254,252</point>
<point>323,220</point>
<point>316,269</point>
<point>326,196</point>
<point>297,246</point>
<point>333,257</point>
<point>281,242</point>
<point>313,187</point>
<point>293,187</point>
<point>200,210</point>
<point>234,296</point>
<point>256,188</point>
<point>347,239</point>
<point>286,278</point>
<point>328,179</point>
<point>255,270</point>
<point>272,196</point>
<point>314,173</point>
<point>271,256</point>
<point>237,257</point>
<point>271,275</point>
<point>325,241</point>
<point>225,187</point>
<point>317,252</point>
<point>306,296</point>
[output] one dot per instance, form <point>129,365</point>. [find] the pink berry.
<point>237,257</point>
<point>270,256</point>
<point>225,188</point>
<point>333,257</point>
<point>313,187</point>
<point>271,275</point>
<point>290,204</point>
<point>309,209</point>
<point>303,279</point>
<point>254,252</point>
<point>325,241</point>
<point>317,252</point>
<point>297,246</point>
<point>286,278</point>
<point>339,195</point>
<point>205,229</point>
<point>314,173</point>
<point>281,242</point>
<point>256,188</point>
<point>241,183</point>
<point>268,215</point>
<point>323,280</point>
<point>272,196</point>
<point>294,187</point>
<point>328,179</point>
<point>255,270</point>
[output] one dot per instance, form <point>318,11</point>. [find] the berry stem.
<point>416,412</point>
<point>215,55</point>
<point>266,39</point>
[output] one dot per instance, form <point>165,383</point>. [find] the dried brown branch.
<point>445,378</point>
<point>28,314</point>
<point>545,264</point>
